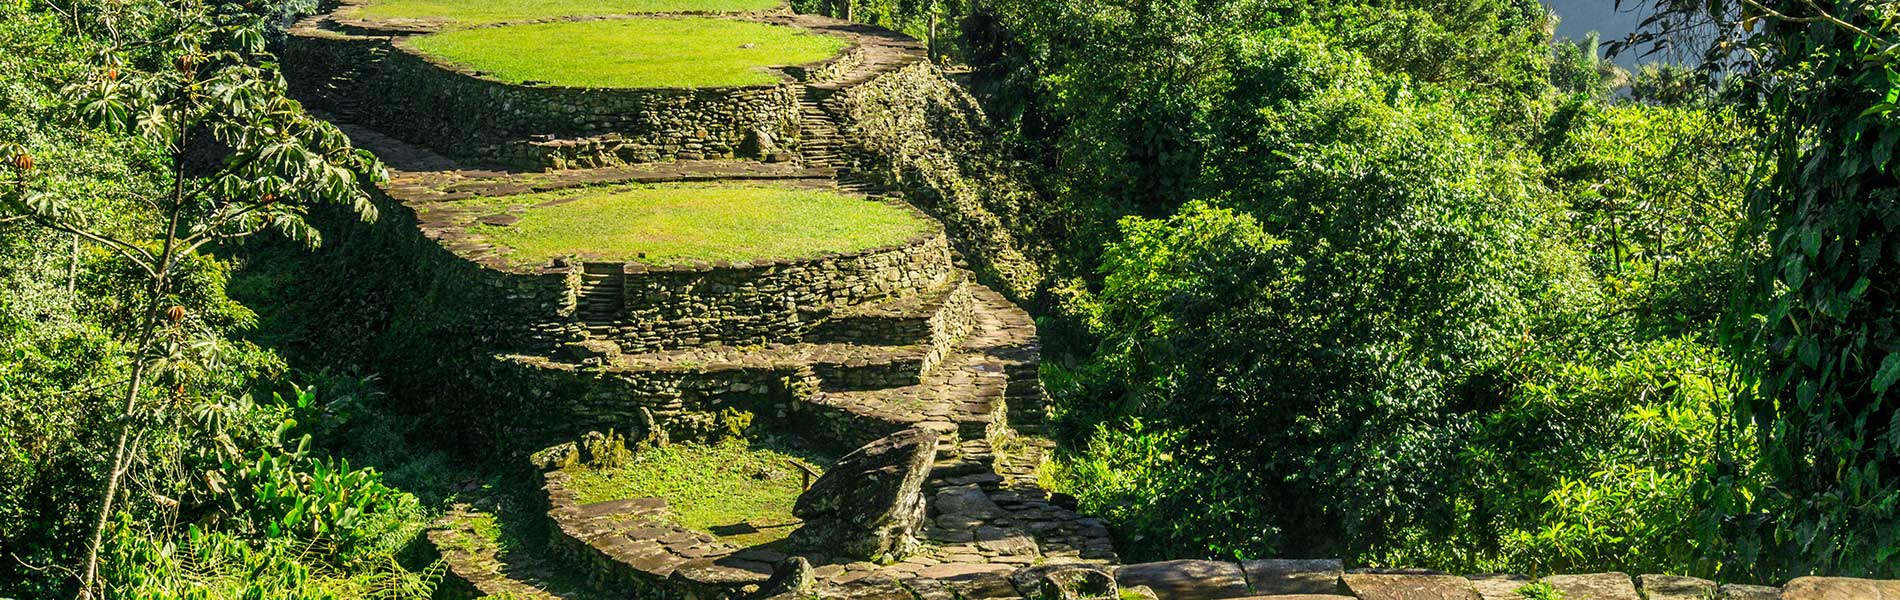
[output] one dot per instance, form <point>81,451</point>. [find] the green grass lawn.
<point>689,52</point>
<point>741,493</point>
<point>680,223</point>
<point>478,12</point>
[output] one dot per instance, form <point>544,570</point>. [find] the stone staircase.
<point>818,144</point>
<point>601,301</point>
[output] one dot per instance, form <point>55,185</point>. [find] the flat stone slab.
<point>1293,576</point>
<point>1595,586</point>
<point>1501,586</point>
<point>1675,587</point>
<point>1733,591</point>
<point>1187,579</point>
<point>1397,586</point>
<point>967,501</point>
<point>1840,588</point>
<point>955,570</point>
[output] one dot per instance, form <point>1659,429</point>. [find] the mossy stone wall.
<point>388,85</point>
<point>747,303</point>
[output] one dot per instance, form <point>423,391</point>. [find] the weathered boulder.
<point>556,457</point>
<point>791,576</point>
<point>1079,584</point>
<point>870,504</point>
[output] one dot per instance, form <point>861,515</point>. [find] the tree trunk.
<point>121,457</point>
<point>930,46</point>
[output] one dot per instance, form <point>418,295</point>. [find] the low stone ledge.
<point>1675,587</point>
<point>1186,579</point>
<point>1416,585</point>
<point>1293,576</point>
<point>1840,588</point>
<point>1594,586</point>
<point>1498,586</point>
<point>631,545</point>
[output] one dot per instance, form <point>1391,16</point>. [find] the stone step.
<point>937,316</point>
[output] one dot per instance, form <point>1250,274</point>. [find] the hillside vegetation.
<point>1406,282</point>
<point>1414,284</point>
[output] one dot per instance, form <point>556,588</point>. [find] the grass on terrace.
<point>735,490</point>
<point>478,12</point>
<point>690,52</point>
<point>682,222</point>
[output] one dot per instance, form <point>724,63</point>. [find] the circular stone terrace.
<point>680,223</point>
<point>435,14</point>
<point>569,84</point>
<point>632,52</point>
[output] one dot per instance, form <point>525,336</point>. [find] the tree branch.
<point>1823,17</point>
<point>137,255</point>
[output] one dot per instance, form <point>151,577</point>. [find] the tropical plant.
<point>197,86</point>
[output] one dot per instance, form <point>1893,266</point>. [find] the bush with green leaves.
<point>1383,331</point>
<point>1655,199</point>
<point>200,565</point>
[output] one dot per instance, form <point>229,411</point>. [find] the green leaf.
<point>1810,353</point>
<point>1889,373</point>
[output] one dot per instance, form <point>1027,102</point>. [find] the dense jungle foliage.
<point>1409,283</point>
<point>1415,284</point>
<point>137,138</point>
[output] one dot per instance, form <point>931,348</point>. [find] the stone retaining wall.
<point>450,109</point>
<point>550,402</point>
<point>476,304</point>
<point>617,544</point>
<point>745,303</point>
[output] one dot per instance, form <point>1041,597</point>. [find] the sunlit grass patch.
<point>477,12</point>
<point>689,52</point>
<point>739,492</point>
<point>678,223</point>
